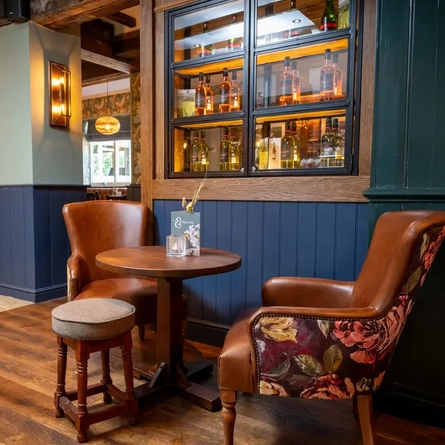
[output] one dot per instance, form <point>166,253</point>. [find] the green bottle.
<point>329,17</point>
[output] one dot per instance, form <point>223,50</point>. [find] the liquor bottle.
<point>204,152</point>
<point>195,155</point>
<point>296,88</point>
<point>286,84</point>
<point>296,157</point>
<point>224,150</point>
<point>343,14</point>
<point>263,155</point>
<point>293,5</point>
<point>200,96</point>
<point>287,148</point>
<point>338,144</point>
<point>186,156</point>
<point>207,50</point>
<point>327,78</point>
<point>293,32</point>
<point>233,152</point>
<point>338,78</point>
<point>209,96</point>
<point>235,42</point>
<point>327,138</point>
<point>224,89</point>
<point>235,96</point>
<point>329,17</point>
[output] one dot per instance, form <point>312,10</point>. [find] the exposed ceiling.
<point>110,46</point>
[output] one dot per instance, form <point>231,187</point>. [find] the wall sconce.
<point>60,95</point>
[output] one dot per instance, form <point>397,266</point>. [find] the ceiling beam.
<point>58,14</point>
<point>93,74</point>
<point>99,59</point>
<point>123,19</point>
<point>127,45</point>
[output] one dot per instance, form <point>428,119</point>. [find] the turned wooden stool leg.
<point>106,377</point>
<point>130,397</point>
<point>228,400</point>
<point>365,413</point>
<point>82,356</point>
<point>61,375</point>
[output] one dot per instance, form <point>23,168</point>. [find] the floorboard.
<point>27,382</point>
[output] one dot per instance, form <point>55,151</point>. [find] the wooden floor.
<point>27,382</point>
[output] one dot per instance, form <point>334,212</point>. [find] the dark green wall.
<point>408,172</point>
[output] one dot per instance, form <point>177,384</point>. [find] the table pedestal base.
<point>203,396</point>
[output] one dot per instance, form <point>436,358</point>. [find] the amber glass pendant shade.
<point>107,125</point>
<point>60,95</point>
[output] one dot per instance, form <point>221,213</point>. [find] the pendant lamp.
<point>107,124</point>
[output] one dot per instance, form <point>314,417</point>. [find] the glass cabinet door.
<point>262,87</point>
<point>282,20</point>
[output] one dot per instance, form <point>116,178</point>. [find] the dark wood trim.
<point>123,19</point>
<point>206,332</point>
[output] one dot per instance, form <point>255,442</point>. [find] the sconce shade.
<point>107,125</point>
<point>60,94</point>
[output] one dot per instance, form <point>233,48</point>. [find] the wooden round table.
<point>151,261</point>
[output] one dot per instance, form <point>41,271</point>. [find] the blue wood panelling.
<point>327,240</point>
<point>34,244</point>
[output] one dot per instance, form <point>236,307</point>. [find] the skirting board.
<point>33,295</point>
<point>206,332</point>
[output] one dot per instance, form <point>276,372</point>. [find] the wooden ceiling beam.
<point>58,14</point>
<point>93,74</point>
<point>123,19</point>
<point>100,59</point>
<point>127,45</point>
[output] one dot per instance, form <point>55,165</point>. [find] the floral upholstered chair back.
<point>340,357</point>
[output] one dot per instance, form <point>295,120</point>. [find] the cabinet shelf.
<point>196,124</point>
<point>305,51</point>
<point>212,67</point>
<point>302,115</point>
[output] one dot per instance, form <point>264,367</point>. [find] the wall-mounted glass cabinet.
<point>262,88</point>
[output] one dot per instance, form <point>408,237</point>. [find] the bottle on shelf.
<point>293,32</point>
<point>186,147</point>
<point>296,87</point>
<point>327,78</point>
<point>343,14</point>
<point>224,89</point>
<point>207,49</point>
<point>296,156</point>
<point>327,144</point>
<point>286,84</point>
<point>195,154</point>
<point>338,78</point>
<point>329,17</point>
<point>204,152</point>
<point>263,155</point>
<point>200,96</point>
<point>234,43</point>
<point>338,144</point>
<point>287,147</point>
<point>235,94</point>
<point>234,158</point>
<point>293,5</point>
<point>224,150</point>
<point>209,96</point>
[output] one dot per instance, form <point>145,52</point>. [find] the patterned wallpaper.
<point>117,104</point>
<point>135,86</point>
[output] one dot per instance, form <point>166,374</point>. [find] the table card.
<point>189,225</point>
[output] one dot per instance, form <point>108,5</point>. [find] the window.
<point>110,162</point>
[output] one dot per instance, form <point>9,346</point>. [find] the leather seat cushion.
<point>140,292</point>
<point>93,319</point>
<point>235,363</point>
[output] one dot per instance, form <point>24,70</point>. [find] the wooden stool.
<point>94,324</point>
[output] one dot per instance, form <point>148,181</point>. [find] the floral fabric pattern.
<point>335,359</point>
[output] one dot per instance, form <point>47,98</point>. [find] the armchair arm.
<point>307,292</point>
<point>74,276</point>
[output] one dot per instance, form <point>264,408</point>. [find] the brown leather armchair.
<point>97,226</point>
<point>324,339</point>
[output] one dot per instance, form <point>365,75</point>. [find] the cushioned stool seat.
<point>91,325</point>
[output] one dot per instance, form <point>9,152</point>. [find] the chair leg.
<point>354,407</point>
<point>106,377</point>
<point>228,400</point>
<point>141,331</point>
<point>82,356</point>
<point>365,413</point>
<point>130,396</point>
<point>61,375</point>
